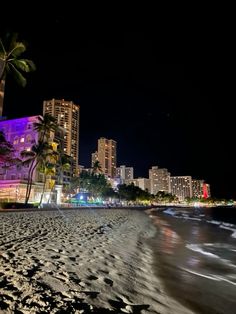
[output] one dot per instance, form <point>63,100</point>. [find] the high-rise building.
<point>159,180</point>
<point>181,187</point>
<point>206,190</point>
<point>142,183</point>
<point>200,189</point>
<point>197,187</point>
<point>94,158</point>
<point>67,115</point>
<point>125,173</point>
<point>107,156</point>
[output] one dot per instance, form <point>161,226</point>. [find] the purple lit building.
<point>21,134</point>
<point>13,180</point>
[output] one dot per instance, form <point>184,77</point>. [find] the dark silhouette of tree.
<point>11,63</point>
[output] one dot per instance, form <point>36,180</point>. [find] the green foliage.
<point>96,184</point>
<point>10,52</point>
<point>6,149</point>
<point>133,193</point>
<point>11,63</point>
<point>42,154</point>
<point>164,197</point>
<point>97,167</point>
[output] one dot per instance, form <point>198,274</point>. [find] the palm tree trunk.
<point>2,90</point>
<point>30,182</point>
<point>44,185</point>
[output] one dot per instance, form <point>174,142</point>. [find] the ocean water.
<point>196,261</point>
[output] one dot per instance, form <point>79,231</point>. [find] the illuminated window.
<point>28,139</point>
<point>16,140</point>
<point>22,140</point>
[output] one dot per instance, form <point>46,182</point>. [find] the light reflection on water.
<point>197,264</point>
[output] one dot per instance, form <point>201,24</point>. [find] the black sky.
<point>163,91</point>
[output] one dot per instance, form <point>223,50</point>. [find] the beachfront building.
<point>181,187</point>
<point>200,189</point>
<point>94,158</point>
<point>206,190</point>
<point>106,153</point>
<point>159,180</point>
<point>197,188</point>
<point>125,173</point>
<point>67,114</point>
<point>142,183</point>
<point>13,179</point>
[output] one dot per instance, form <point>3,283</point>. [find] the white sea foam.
<point>197,248</point>
<point>201,275</point>
<point>215,222</point>
<point>211,277</point>
<point>192,218</point>
<point>234,234</point>
<point>169,211</point>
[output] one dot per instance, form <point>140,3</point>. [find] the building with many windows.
<point>67,114</point>
<point>13,178</point>
<point>181,187</point>
<point>159,180</point>
<point>125,173</point>
<point>94,158</point>
<point>106,153</point>
<point>142,183</point>
<point>197,188</point>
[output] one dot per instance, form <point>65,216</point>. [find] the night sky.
<point>164,91</point>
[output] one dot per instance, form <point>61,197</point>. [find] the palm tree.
<point>6,149</point>
<point>97,167</point>
<point>33,158</point>
<point>41,151</point>
<point>10,62</point>
<point>48,170</point>
<point>45,124</point>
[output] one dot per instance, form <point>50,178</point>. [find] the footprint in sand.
<point>91,277</point>
<point>108,281</point>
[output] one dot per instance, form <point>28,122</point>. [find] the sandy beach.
<point>80,261</point>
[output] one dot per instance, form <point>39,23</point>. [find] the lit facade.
<point>200,189</point>
<point>206,190</point>
<point>125,173</point>
<point>67,115</point>
<point>21,134</point>
<point>197,188</point>
<point>107,156</point>
<point>142,183</point>
<point>13,180</point>
<point>159,180</point>
<point>181,187</point>
<point>94,158</point>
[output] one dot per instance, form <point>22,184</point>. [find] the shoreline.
<point>37,209</point>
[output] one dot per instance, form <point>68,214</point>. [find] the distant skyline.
<point>164,96</point>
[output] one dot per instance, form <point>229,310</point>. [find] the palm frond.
<point>20,79</point>
<point>23,65</point>
<point>17,50</point>
<point>2,49</point>
<point>27,154</point>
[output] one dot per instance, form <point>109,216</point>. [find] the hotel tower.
<point>106,154</point>
<point>67,115</point>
